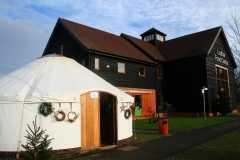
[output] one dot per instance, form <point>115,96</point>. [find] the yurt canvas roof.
<point>53,78</point>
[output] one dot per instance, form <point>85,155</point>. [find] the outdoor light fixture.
<point>204,89</point>
<point>108,66</point>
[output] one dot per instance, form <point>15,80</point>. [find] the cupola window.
<point>159,37</point>
<point>149,37</point>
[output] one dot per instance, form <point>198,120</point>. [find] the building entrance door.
<point>138,105</point>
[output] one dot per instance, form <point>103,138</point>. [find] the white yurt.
<point>77,108</point>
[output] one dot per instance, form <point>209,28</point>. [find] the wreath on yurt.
<point>72,119</point>
<point>60,112</point>
<point>127,113</point>
<point>62,117</point>
<point>46,108</point>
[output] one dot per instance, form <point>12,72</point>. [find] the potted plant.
<point>223,102</point>
<point>167,108</point>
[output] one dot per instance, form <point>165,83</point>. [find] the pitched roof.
<point>145,46</point>
<point>153,30</point>
<point>191,45</point>
<point>94,39</point>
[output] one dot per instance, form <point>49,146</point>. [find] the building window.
<point>159,71</point>
<point>160,102</point>
<point>83,62</point>
<point>149,37</point>
<point>141,71</point>
<point>159,37</point>
<point>222,78</point>
<point>96,64</point>
<point>121,67</point>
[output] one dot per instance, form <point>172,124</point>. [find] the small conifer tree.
<point>37,145</point>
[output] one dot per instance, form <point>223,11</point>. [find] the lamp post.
<point>204,89</point>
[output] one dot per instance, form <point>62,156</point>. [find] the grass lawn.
<point>175,124</point>
<point>184,123</point>
<point>226,147</point>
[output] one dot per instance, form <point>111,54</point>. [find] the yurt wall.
<point>14,122</point>
<point>124,122</point>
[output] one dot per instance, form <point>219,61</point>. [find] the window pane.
<point>160,101</point>
<point>96,63</point>
<point>226,75</point>
<point>159,37</point>
<point>221,73</point>
<point>142,71</point>
<point>121,67</point>
<point>222,78</point>
<point>138,105</point>
<point>159,71</point>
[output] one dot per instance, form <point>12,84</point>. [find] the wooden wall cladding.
<point>130,78</point>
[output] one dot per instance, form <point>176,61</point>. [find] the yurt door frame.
<point>108,122</point>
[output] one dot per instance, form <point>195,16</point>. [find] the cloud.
<point>26,25</point>
<point>20,44</point>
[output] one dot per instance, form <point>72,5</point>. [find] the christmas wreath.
<point>46,108</point>
<point>127,113</point>
<point>74,118</point>
<point>62,117</point>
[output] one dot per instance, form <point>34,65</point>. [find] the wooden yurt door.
<point>90,120</point>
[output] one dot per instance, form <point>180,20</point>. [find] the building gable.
<point>221,52</point>
<point>71,47</point>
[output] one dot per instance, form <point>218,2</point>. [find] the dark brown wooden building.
<point>152,69</point>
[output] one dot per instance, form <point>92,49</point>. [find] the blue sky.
<point>26,25</point>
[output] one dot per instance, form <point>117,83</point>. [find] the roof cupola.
<point>153,36</point>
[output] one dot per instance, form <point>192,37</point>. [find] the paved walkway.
<point>163,148</point>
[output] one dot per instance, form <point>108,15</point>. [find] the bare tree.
<point>234,37</point>
<point>237,84</point>
<point>234,34</point>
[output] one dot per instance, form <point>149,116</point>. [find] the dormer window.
<point>159,37</point>
<point>149,37</point>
